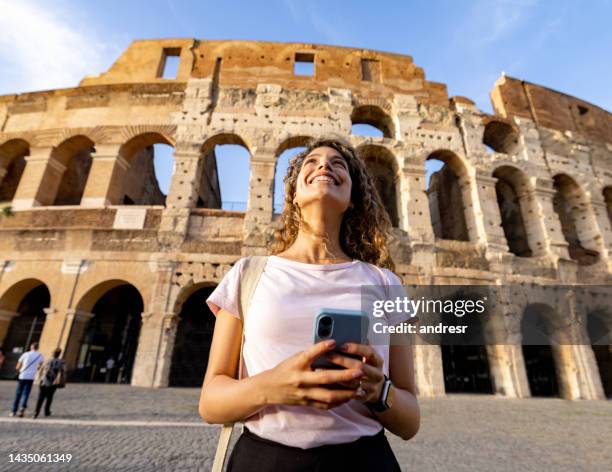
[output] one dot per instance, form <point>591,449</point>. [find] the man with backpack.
<point>27,366</point>
<point>51,377</point>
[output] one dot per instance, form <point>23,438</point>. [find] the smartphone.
<point>341,325</point>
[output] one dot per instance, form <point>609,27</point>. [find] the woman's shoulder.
<point>386,276</point>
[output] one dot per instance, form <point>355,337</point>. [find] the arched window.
<point>147,179</point>
<point>382,167</point>
<point>12,164</point>
<point>515,208</point>
<point>225,173</point>
<point>75,155</point>
<point>447,189</point>
<point>286,151</point>
<point>501,137</point>
<point>572,207</point>
<point>370,120</point>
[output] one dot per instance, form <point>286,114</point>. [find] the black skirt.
<point>368,453</point>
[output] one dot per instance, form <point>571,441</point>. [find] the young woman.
<point>332,240</point>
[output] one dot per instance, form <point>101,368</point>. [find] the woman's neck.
<point>317,242</point>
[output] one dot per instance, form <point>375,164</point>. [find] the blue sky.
<point>564,45</point>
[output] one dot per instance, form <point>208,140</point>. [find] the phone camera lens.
<point>324,332</point>
<point>325,326</point>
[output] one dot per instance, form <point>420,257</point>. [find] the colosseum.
<point>96,259</point>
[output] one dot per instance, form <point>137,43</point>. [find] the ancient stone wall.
<point>530,195</point>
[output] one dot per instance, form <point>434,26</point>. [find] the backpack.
<point>251,271</point>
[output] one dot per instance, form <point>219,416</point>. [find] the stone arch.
<point>136,182</point>
<point>106,326</point>
<point>22,318</point>
<point>382,166</point>
<point>449,194</point>
<point>518,211</point>
<point>577,221</point>
<point>286,150</point>
<point>599,330</point>
<point>501,136</point>
<point>12,164</point>
<point>543,334</point>
<point>67,172</point>
<point>465,358</point>
<point>209,188</point>
<point>374,116</point>
<point>193,336</point>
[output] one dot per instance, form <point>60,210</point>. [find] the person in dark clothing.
<point>52,375</point>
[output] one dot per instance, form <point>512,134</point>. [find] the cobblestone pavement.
<point>123,428</point>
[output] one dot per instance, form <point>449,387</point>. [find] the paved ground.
<point>116,427</point>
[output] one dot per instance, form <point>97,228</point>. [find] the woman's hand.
<point>293,382</point>
<point>371,382</point>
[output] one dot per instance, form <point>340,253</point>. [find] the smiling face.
<point>324,179</point>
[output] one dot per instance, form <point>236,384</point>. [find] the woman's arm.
<point>404,417</point>
<point>224,399</point>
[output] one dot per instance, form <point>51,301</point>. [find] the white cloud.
<point>300,11</point>
<point>45,46</point>
<point>488,22</point>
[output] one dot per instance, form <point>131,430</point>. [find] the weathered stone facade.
<point>531,189</point>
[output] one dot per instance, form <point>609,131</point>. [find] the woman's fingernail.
<point>357,374</point>
<point>344,347</point>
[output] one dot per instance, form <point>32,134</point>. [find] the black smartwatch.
<point>382,405</point>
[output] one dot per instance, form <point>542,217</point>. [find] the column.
<point>508,373</point>
<point>489,215</point>
<point>182,196</point>
<point>428,370</point>
<point>415,204</point>
<point>105,183</point>
<point>40,180</point>
<point>260,202</point>
<point>556,243</point>
<point>155,342</point>
<point>604,235</point>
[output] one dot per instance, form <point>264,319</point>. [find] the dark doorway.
<point>25,328</point>
<point>536,332</point>
<point>540,365</point>
<point>192,342</point>
<point>111,337</point>
<point>466,369</point>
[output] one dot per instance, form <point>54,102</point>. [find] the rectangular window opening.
<point>170,63</point>
<point>304,64</point>
<point>370,70</point>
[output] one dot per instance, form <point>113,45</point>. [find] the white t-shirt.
<point>280,323</point>
<point>29,364</point>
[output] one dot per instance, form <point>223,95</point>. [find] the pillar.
<point>155,343</point>
<point>489,215</point>
<point>40,179</point>
<point>182,196</point>
<point>556,243</point>
<point>260,201</point>
<point>428,370</point>
<point>105,183</point>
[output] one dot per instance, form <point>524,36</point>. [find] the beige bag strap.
<point>251,271</point>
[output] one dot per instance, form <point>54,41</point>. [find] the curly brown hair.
<point>365,226</point>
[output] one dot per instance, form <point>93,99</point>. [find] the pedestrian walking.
<point>51,376</point>
<point>27,366</point>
